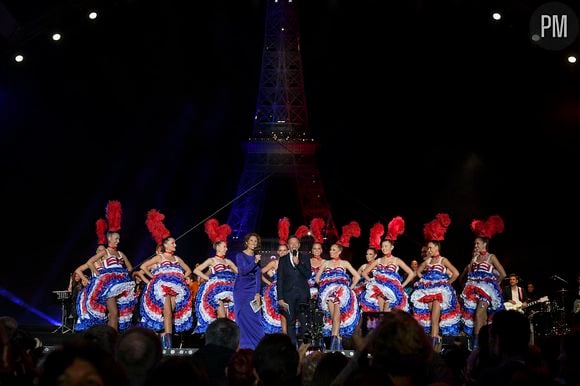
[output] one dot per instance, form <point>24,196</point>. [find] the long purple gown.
<point>247,285</point>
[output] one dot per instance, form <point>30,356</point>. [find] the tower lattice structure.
<point>281,144</point>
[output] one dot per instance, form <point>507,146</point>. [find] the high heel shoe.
<point>335,343</point>
<point>166,341</point>
<point>436,342</point>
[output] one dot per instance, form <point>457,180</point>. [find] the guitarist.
<point>515,294</point>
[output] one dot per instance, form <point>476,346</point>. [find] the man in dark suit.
<point>292,285</point>
<point>514,294</point>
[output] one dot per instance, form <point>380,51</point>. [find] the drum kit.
<point>549,318</point>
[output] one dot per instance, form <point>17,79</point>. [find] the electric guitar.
<point>518,306</point>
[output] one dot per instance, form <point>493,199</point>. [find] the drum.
<point>543,323</point>
<point>544,307</point>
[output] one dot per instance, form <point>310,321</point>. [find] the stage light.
<point>93,15</point>
<point>18,58</point>
<point>496,16</point>
<point>571,59</point>
<point>16,300</point>
<point>56,36</point>
<point>179,351</point>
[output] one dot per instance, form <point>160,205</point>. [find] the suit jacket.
<point>293,279</point>
<point>507,294</point>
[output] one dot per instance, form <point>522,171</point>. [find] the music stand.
<point>62,297</point>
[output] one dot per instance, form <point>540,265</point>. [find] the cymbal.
<point>562,290</point>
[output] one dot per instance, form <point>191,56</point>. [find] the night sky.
<point>418,108</point>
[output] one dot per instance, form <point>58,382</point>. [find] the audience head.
<point>329,366</point>
<point>308,366</point>
<point>177,371</point>
<point>240,370</point>
<point>223,332</point>
<point>509,334</point>
<point>138,350</point>
<point>400,346</point>
<point>103,335</point>
<point>78,362</point>
<point>276,361</point>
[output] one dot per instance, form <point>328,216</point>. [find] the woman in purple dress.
<point>247,289</point>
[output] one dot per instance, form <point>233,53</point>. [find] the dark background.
<point>418,108</point>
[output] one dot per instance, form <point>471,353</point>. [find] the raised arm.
<point>408,270</point>
<point>353,272</point>
<point>368,269</point>
<point>81,272</point>
<point>304,266</point>
<point>454,272</point>
<point>127,262</point>
<point>183,264</point>
<point>268,267</point>
<point>200,269</point>
<point>320,270</point>
<point>246,263</point>
<point>499,267</point>
<point>91,262</point>
<point>140,275</point>
<point>233,267</point>
<point>146,266</point>
<point>362,268</point>
<point>421,268</point>
<point>464,273</point>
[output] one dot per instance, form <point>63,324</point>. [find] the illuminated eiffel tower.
<point>280,145</point>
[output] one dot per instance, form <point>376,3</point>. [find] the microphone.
<point>294,252</point>
<point>556,277</point>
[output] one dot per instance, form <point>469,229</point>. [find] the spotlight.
<point>496,16</point>
<point>93,15</point>
<point>18,58</point>
<point>56,37</point>
<point>571,59</point>
<point>179,351</point>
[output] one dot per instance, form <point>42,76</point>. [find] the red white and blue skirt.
<point>92,301</point>
<point>271,313</point>
<point>335,287</point>
<point>219,287</point>
<point>434,285</point>
<point>480,286</point>
<point>168,280</point>
<point>385,284</point>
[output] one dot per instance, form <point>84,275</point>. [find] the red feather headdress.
<point>101,229</point>
<point>283,230</point>
<point>302,231</point>
<point>435,230</point>
<point>395,228</point>
<point>349,231</point>
<point>114,213</point>
<point>377,231</point>
<point>216,232</point>
<point>156,227</point>
<point>493,225</point>
<point>316,227</point>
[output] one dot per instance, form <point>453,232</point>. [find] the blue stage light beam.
<point>16,300</point>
